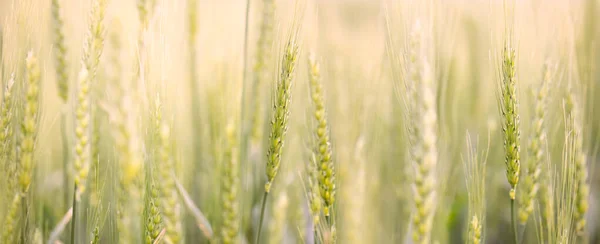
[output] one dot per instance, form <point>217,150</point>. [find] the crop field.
<point>299,121</point>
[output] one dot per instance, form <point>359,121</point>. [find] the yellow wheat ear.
<point>422,129</point>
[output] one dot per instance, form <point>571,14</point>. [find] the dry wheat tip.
<point>281,103</point>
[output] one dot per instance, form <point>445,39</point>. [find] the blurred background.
<point>355,41</point>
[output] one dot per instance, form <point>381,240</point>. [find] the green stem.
<point>513,222</point>
<point>74,220</point>
<point>65,152</point>
<point>242,132</point>
<point>262,216</point>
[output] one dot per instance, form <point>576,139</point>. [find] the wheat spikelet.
<point>6,134</point>
<point>314,197</point>
<point>573,108</point>
<point>11,220</point>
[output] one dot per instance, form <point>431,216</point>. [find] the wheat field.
<point>299,121</point>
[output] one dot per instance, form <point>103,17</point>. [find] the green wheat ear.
<point>29,124</point>
<point>325,165</point>
<point>279,121</point>
<point>60,52</point>
<point>536,148</point>
<point>169,201</point>
<point>281,104</point>
<point>230,184</point>
<point>510,126</point>
<point>152,215</point>
<point>28,137</point>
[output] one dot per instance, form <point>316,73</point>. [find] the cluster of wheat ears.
<point>95,150</point>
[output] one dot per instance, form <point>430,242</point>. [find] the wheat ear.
<point>536,148</point>
<point>423,133</point>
